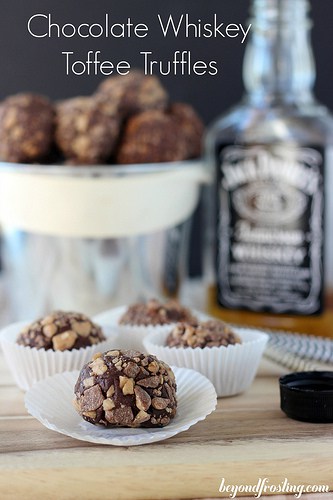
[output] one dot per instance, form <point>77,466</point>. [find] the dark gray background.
<point>37,65</point>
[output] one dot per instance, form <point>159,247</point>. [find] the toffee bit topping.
<point>205,334</point>
<point>156,313</point>
<point>61,331</point>
<point>125,393</point>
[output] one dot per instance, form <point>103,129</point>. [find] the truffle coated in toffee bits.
<point>126,388</point>
<point>61,331</point>
<point>26,128</point>
<point>212,333</point>
<point>134,93</point>
<point>87,129</point>
<point>190,126</point>
<point>151,136</point>
<point>155,313</point>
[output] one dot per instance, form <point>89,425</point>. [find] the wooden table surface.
<point>245,439</point>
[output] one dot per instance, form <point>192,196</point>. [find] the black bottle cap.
<point>308,396</point>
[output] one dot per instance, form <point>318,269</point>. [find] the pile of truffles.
<point>61,331</point>
<point>154,313</point>
<point>212,333</point>
<point>125,388</point>
<point>129,119</point>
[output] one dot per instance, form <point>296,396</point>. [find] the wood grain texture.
<point>246,438</point>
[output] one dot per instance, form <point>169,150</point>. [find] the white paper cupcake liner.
<point>29,365</point>
<point>231,369</point>
<point>130,336</point>
<point>50,401</point>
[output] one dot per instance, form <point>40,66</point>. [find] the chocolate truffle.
<point>125,388</point>
<point>61,331</point>
<point>87,130</point>
<point>190,127</point>
<point>26,128</point>
<point>212,333</point>
<point>134,92</point>
<point>149,137</point>
<point>155,313</point>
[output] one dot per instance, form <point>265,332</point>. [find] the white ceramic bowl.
<point>82,201</point>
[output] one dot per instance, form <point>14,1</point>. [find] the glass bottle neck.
<point>278,64</point>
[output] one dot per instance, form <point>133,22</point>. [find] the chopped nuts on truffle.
<point>26,128</point>
<point>61,331</point>
<point>154,312</point>
<point>118,399</point>
<point>212,333</point>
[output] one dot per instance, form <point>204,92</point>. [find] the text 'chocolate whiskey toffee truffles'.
<point>125,388</point>
<point>61,331</point>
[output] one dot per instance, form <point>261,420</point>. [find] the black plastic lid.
<point>308,396</point>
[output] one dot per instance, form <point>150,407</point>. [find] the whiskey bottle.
<point>273,221</point>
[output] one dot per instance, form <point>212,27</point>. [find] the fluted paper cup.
<point>231,369</point>
<point>29,365</point>
<point>50,401</point>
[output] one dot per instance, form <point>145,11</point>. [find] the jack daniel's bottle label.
<point>270,210</point>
